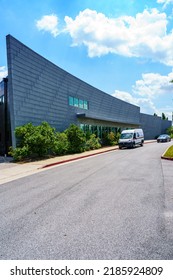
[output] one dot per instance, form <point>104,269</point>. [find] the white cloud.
<point>3,72</point>
<point>48,23</point>
<point>126,96</point>
<point>165,2</point>
<point>153,84</point>
<point>147,91</point>
<point>146,104</point>
<point>142,36</point>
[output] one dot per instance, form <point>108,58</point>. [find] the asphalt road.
<point>117,205</point>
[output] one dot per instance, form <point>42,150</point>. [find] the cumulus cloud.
<point>146,91</point>
<point>153,84</point>
<point>126,96</point>
<point>48,23</point>
<point>146,104</point>
<point>3,72</point>
<point>165,2</point>
<point>144,35</point>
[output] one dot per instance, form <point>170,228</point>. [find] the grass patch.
<point>169,152</point>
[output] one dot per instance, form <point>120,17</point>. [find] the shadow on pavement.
<point>5,159</point>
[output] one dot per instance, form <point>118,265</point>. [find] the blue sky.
<point>124,48</point>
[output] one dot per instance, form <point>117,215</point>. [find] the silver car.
<point>163,138</point>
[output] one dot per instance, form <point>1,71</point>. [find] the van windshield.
<point>126,136</point>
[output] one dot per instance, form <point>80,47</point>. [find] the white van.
<point>131,137</point>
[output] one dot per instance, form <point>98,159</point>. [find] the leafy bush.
<point>170,131</point>
<point>92,143</point>
<point>33,141</point>
<point>76,138</point>
<point>42,140</point>
<point>23,132</point>
<point>61,144</point>
<point>19,154</point>
<point>117,137</point>
<point>111,138</point>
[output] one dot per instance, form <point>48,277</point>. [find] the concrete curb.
<point>13,171</point>
<point>97,152</point>
<point>167,158</point>
<point>77,158</point>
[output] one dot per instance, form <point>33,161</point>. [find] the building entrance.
<point>5,138</point>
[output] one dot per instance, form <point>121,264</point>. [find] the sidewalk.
<point>11,171</point>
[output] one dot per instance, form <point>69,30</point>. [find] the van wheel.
<point>133,145</point>
<point>142,143</point>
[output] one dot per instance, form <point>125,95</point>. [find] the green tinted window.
<point>81,103</point>
<point>70,101</point>
<point>76,102</point>
<point>85,104</point>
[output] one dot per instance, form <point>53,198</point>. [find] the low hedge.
<point>41,141</point>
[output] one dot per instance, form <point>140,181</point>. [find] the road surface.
<point>117,205</point>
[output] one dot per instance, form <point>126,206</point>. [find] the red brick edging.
<point>79,157</point>
<point>85,156</point>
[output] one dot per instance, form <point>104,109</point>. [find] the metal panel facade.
<point>153,126</point>
<point>39,91</point>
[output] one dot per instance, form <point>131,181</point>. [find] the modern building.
<point>37,90</point>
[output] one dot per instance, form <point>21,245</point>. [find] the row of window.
<point>76,102</point>
<point>99,130</point>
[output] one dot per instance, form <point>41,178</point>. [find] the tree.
<point>170,131</point>
<point>164,117</point>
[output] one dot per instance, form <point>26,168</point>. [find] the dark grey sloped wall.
<point>153,126</point>
<point>39,92</point>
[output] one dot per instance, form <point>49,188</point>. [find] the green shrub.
<point>23,132</point>
<point>20,154</point>
<point>111,138</point>
<point>41,140</point>
<point>117,137</point>
<point>76,138</point>
<point>88,134</point>
<point>92,143</point>
<point>33,141</point>
<point>170,131</point>
<point>61,144</point>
